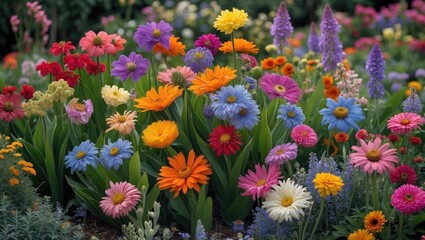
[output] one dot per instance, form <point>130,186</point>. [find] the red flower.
<point>225,139</point>
<point>403,150</point>
<point>415,141</point>
<point>69,77</point>
<point>92,68</point>
<point>403,174</point>
<point>418,159</point>
<point>341,137</point>
<point>61,47</point>
<point>8,89</point>
<point>77,60</point>
<point>10,107</point>
<point>48,68</point>
<point>27,91</point>
<point>393,137</point>
<point>361,134</point>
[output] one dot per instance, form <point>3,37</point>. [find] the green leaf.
<point>52,179</point>
<point>237,169</point>
<point>135,169</point>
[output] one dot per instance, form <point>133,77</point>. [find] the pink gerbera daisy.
<point>403,174</point>
<point>257,184</point>
<point>285,87</point>
<point>120,199</point>
<point>405,123</point>
<point>96,44</point>
<point>177,74</point>
<point>304,135</point>
<point>372,156</point>
<point>408,199</point>
<point>282,153</point>
<point>10,107</point>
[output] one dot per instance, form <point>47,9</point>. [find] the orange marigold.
<point>341,137</point>
<point>183,175</point>
<point>241,46</point>
<point>268,63</point>
<point>176,47</point>
<point>212,80</point>
<point>280,60</point>
<point>328,81</point>
<point>288,69</point>
<point>332,92</point>
<point>158,101</point>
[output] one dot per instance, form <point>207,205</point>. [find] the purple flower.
<point>133,66</point>
<point>152,33</point>
<point>375,67</point>
<point>282,28</point>
<point>79,113</point>
<point>420,73</point>
<point>282,153</point>
<point>199,59</point>
<point>313,39</point>
<point>329,43</point>
<point>210,41</point>
<point>412,103</point>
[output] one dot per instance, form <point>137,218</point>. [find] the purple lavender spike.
<point>313,39</point>
<point>329,43</point>
<point>282,28</point>
<point>375,66</point>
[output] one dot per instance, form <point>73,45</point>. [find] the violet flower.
<point>329,43</point>
<point>152,33</point>
<point>313,39</point>
<point>282,28</point>
<point>375,66</point>
<point>133,66</point>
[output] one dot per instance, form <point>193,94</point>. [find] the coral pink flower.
<point>120,199</point>
<point>372,156</point>
<point>167,75</point>
<point>96,44</point>
<point>405,123</point>
<point>257,184</point>
<point>403,174</point>
<point>408,199</point>
<point>10,107</point>
<point>117,44</point>
<point>304,135</point>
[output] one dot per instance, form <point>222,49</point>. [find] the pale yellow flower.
<point>115,96</point>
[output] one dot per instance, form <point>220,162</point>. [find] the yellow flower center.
<point>280,152</point>
<point>116,93</point>
<point>261,182</point>
<point>305,134</point>
<point>405,122</point>
<point>408,197</point>
<point>198,55</point>
<point>286,201</point>
<point>80,155</point>
<point>8,106</point>
<point>121,119</point>
<point>114,151</point>
<point>243,112</point>
<point>97,41</point>
<point>279,88</point>
<point>118,198</point>
<point>340,112</point>
<point>373,155</point>
<point>225,138</point>
<point>291,114</point>
<point>231,99</point>
<point>131,66</point>
<point>185,172</point>
<point>207,43</point>
<point>156,33</point>
<point>80,107</point>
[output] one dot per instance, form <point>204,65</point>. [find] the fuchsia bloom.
<point>408,199</point>
<point>209,41</point>
<point>257,184</point>
<point>282,153</point>
<point>152,33</point>
<point>120,199</point>
<point>96,44</point>
<point>304,135</point>
<point>79,113</point>
<point>167,75</point>
<point>403,174</point>
<point>285,87</point>
<point>372,156</point>
<point>62,47</point>
<point>10,107</point>
<point>405,123</point>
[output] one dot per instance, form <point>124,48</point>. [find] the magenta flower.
<point>133,66</point>
<point>408,199</point>
<point>79,113</point>
<point>257,184</point>
<point>282,153</point>
<point>152,33</point>
<point>120,199</point>
<point>403,174</point>
<point>209,41</point>
<point>304,136</point>
<point>285,87</point>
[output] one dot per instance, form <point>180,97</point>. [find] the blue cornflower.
<point>247,117</point>
<point>81,156</point>
<point>229,101</point>
<point>291,114</point>
<point>199,59</point>
<point>342,115</point>
<point>112,155</point>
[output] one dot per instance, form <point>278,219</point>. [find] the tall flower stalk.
<point>329,43</point>
<point>282,28</point>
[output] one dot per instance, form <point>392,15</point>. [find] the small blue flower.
<point>208,111</point>
<point>199,59</point>
<point>184,235</point>
<point>342,115</point>
<point>81,156</point>
<point>412,103</point>
<point>247,117</point>
<point>238,226</point>
<point>250,83</point>
<point>112,155</point>
<point>200,231</point>
<point>229,101</point>
<point>291,114</point>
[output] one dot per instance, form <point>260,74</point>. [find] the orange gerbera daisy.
<point>328,81</point>
<point>212,80</point>
<point>183,175</point>
<point>241,46</point>
<point>280,60</point>
<point>374,221</point>
<point>158,101</point>
<point>176,47</point>
<point>332,92</point>
<point>124,124</point>
<point>268,63</point>
<point>288,69</point>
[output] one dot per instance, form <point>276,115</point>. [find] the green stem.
<point>300,230</point>
<point>128,12</point>
<point>153,68</point>
<point>400,229</point>
<point>322,205</point>
<point>279,234</point>
<point>367,192</point>
<point>374,192</point>
<point>329,144</point>
<point>98,70</point>
<point>307,221</point>
<point>291,175</point>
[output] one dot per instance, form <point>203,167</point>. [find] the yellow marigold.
<point>160,134</point>
<point>415,84</point>
<point>114,96</point>
<point>288,69</point>
<point>361,234</point>
<point>241,46</point>
<point>14,170</point>
<point>30,170</point>
<point>158,101</point>
<point>280,60</point>
<point>328,81</point>
<point>13,181</point>
<point>374,221</point>
<point>176,47</point>
<point>327,184</point>
<point>212,80</point>
<point>228,21</point>
<point>268,63</point>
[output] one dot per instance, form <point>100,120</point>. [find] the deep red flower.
<point>76,60</point>
<point>418,159</point>
<point>393,137</point>
<point>48,68</point>
<point>69,77</point>
<point>225,139</point>
<point>8,89</point>
<point>62,47</point>
<point>415,141</point>
<point>92,68</point>
<point>403,150</point>
<point>27,91</point>
<point>10,107</point>
<point>403,174</point>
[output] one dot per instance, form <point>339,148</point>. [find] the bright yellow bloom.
<point>361,234</point>
<point>374,221</point>
<point>212,80</point>
<point>415,84</point>
<point>160,134</point>
<point>327,184</point>
<point>114,96</point>
<point>158,101</point>
<point>228,21</point>
<point>13,181</point>
<point>241,46</point>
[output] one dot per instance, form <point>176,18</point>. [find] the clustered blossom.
<point>348,82</point>
<point>282,28</point>
<point>375,67</point>
<point>330,45</point>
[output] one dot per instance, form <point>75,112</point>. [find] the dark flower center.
<point>118,198</point>
<point>131,66</point>
<point>373,155</point>
<point>243,112</point>
<point>9,106</point>
<point>403,176</point>
<point>261,182</point>
<point>280,152</point>
<point>178,79</point>
<point>97,41</point>
<point>408,197</point>
<point>207,43</point>
<point>198,55</point>
<point>405,122</point>
<point>121,119</point>
<point>185,172</point>
<point>340,112</point>
<point>286,201</point>
<point>374,221</point>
